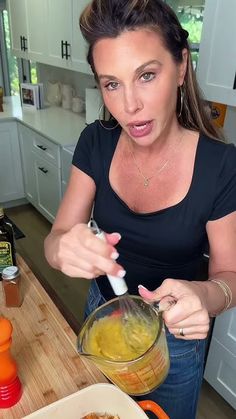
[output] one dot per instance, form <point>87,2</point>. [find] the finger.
<point>98,246</point>
<point>184,307</point>
<point>75,272</point>
<point>200,317</point>
<point>113,238</point>
<point>91,263</point>
<point>104,264</point>
<point>146,294</point>
<point>189,331</point>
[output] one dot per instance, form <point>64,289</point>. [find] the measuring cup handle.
<point>149,405</point>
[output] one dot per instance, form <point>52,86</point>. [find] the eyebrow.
<point>138,70</point>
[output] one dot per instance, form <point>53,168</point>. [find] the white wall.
<point>78,81</point>
<point>230,124</point>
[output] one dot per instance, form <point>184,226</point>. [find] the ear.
<point>183,66</point>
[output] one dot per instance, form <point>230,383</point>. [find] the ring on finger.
<point>181,332</point>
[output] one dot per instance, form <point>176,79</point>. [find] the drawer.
<point>46,149</point>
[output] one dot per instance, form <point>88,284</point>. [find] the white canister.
<point>77,104</point>
<point>67,93</point>
<point>54,93</point>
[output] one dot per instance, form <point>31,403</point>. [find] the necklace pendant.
<point>146,183</point>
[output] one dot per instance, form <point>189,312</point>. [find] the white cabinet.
<point>216,69</point>
<point>26,145</point>
<point>42,174</point>
<point>66,46</point>
<point>37,32</point>
<point>11,180</point>
<point>18,27</point>
<point>47,31</point>
<point>79,47</point>
<point>220,369</point>
<point>59,25</point>
<point>66,162</point>
<point>48,179</point>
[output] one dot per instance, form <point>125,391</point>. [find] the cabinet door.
<point>216,69</point>
<point>11,179</point>
<point>48,180</point>
<point>79,47</point>
<point>18,27</point>
<point>59,30</point>
<point>220,369</point>
<point>26,144</point>
<point>36,16</point>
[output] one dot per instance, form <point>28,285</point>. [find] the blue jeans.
<point>178,395</point>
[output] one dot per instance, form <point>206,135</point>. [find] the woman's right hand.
<point>79,253</point>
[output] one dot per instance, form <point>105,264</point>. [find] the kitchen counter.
<point>44,347</point>
<point>61,126</point>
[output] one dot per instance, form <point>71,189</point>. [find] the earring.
<point>181,100</point>
<point>102,108</point>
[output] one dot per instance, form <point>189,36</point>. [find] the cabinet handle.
<point>21,43</point>
<point>62,49</point>
<point>234,85</point>
<point>24,39</point>
<point>42,147</point>
<point>67,55</point>
<point>43,170</point>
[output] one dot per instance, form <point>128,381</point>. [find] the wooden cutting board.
<point>44,347</point>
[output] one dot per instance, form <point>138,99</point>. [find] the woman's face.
<point>139,81</point>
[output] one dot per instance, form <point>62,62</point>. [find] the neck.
<point>160,147</point>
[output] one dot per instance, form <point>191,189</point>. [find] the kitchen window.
<point>190,14</point>
<point>13,70</point>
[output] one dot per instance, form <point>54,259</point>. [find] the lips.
<point>140,128</point>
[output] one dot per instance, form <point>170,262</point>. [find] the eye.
<point>148,76</point>
<point>112,85</point>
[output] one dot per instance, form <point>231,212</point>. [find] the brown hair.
<point>109,18</point>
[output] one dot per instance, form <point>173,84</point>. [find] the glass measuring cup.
<point>134,373</point>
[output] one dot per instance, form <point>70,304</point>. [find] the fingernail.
<point>114,255</point>
<point>142,287</point>
<point>117,234</point>
<point>121,273</point>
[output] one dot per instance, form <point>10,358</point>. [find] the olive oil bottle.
<point>7,246</point>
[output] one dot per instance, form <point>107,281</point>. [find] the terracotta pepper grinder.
<point>10,385</point>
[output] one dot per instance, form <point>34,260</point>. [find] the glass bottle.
<point>7,246</point>
<point>11,282</point>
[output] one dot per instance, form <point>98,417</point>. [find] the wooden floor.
<point>70,294</point>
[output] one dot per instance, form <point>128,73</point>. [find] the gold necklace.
<point>146,179</point>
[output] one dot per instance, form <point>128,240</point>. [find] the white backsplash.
<point>79,81</point>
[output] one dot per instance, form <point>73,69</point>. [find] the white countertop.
<point>61,126</point>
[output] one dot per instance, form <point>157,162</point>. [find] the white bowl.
<point>100,398</point>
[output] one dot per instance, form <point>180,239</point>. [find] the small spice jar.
<point>11,282</point>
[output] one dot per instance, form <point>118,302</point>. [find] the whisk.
<point>132,314</point>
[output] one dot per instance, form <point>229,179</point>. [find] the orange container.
<point>218,112</point>
<point>10,386</point>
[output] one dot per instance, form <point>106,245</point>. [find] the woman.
<point>161,182</point>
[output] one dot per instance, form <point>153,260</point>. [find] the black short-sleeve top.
<point>168,243</point>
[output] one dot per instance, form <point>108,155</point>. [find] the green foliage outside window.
<point>12,61</point>
<point>191,19</point>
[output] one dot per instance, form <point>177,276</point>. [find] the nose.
<point>132,101</point>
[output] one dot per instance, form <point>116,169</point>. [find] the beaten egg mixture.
<point>112,338</point>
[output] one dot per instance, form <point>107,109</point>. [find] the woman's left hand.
<point>188,318</point>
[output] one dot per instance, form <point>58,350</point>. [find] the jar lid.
<point>10,272</point>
